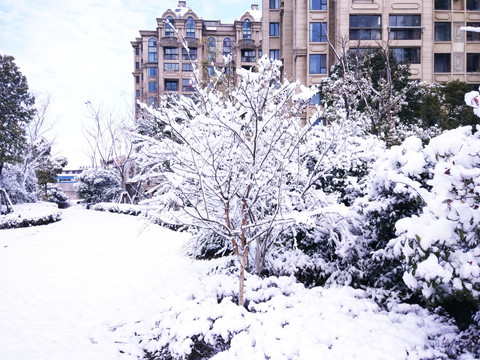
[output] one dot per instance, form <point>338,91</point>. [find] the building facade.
<point>424,32</point>
<point>303,35</point>
<point>162,64</point>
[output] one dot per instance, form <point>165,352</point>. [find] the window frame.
<point>475,67</point>
<point>275,26</point>
<point>170,53</point>
<point>274,4</point>
<point>192,56</point>
<point>190,27</point>
<point>318,4</point>
<point>167,66</point>
<point>469,7</point>
<point>411,58</point>
<point>246,29</point>
<point>437,28</point>
<point>275,53</point>
<point>402,30</point>
<point>363,30</point>
<point>152,86</point>
<point>152,50</point>
<point>169,26</point>
<point>447,65</point>
<point>227,44</point>
<point>323,32</point>
<point>321,64</point>
<point>168,83</point>
<point>438,5</point>
<point>154,69</point>
<point>247,56</point>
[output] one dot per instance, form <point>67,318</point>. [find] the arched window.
<point>247,29</point>
<point>152,50</point>
<point>169,25</point>
<point>227,46</point>
<point>212,48</point>
<point>190,27</point>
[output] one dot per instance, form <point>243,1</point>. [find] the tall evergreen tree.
<point>16,111</point>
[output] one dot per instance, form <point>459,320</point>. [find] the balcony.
<point>191,42</point>
<point>169,41</point>
<point>246,44</point>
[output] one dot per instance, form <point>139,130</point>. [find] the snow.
<point>95,282</point>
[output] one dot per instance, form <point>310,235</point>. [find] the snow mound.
<point>25,215</point>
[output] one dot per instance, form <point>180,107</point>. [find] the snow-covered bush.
<point>440,246</point>
<point>26,215</point>
<point>98,185</point>
<point>56,195</point>
<point>128,209</point>
<point>21,187</point>
<point>282,320</point>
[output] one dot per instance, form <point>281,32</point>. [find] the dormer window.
<point>190,24</point>
<point>247,29</point>
<point>169,26</point>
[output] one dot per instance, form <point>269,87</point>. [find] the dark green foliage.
<point>16,111</point>
<point>97,185</point>
<point>48,170</point>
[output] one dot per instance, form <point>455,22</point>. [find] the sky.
<point>79,51</point>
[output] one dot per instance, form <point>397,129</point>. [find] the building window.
<point>315,99</point>
<point>274,29</point>
<point>318,4</point>
<point>137,51</point>
<point>471,35</point>
<point>190,24</point>
<point>171,85</point>
<point>443,4</point>
<point>473,62</point>
<point>227,46</point>
<point>152,50</point>
<point>169,24</point>
<point>137,93</point>
<point>152,86</point>
<point>410,55</point>
<point>152,101</point>
<point>137,65</point>
<point>247,29</point>
<point>248,56</point>
<point>318,32</point>
<point>442,63</point>
<point>187,67</point>
<point>443,31</point>
<point>273,4</point>
<point>210,70</point>
<point>473,5</point>
<point>170,66</point>
<point>191,56</point>
<point>405,27</point>
<point>170,53</point>
<point>152,72</point>
<point>318,64</point>
<point>187,85</point>
<point>275,54</point>
<point>365,27</point>
<point>137,79</point>
<point>212,49</point>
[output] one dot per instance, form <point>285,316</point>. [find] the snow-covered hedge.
<point>283,320</point>
<point>30,215</point>
<point>440,247</point>
<point>128,209</point>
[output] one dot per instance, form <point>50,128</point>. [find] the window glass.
<point>365,27</point>
<point>248,56</point>
<point>153,86</point>
<point>152,72</point>
<point>227,46</point>
<point>318,4</point>
<point>318,32</point>
<point>152,50</point>
<point>473,36</point>
<point>187,67</point>
<point>443,31</point>
<point>442,63</point>
<point>443,4</point>
<point>211,48</point>
<point>273,4</point>
<point>187,85</point>
<point>318,64</point>
<point>473,5</point>
<point>191,56</point>
<point>170,53</point>
<point>275,54</point>
<point>473,62</point>
<point>170,66</point>
<point>405,27</point>
<point>190,24</point>
<point>247,29</point>
<point>171,85</point>
<point>169,24</point>
<point>410,55</point>
<point>274,29</point>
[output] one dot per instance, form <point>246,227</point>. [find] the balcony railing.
<point>169,41</point>
<point>246,44</point>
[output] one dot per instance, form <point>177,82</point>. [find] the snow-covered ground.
<point>96,283</point>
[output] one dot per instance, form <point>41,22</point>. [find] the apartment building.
<point>426,33</point>
<point>163,65</point>
<point>302,33</point>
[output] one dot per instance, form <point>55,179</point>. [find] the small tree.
<point>97,185</point>
<point>16,111</point>
<point>47,172</point>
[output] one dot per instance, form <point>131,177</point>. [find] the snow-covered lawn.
<point>96,283</point>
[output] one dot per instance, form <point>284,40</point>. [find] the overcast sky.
<point>79,51</point>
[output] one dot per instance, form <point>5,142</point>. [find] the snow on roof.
<point>180,11</point>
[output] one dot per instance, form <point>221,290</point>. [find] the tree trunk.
<point>242,276</point>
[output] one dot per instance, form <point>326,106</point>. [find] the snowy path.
<point>61,283</point>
